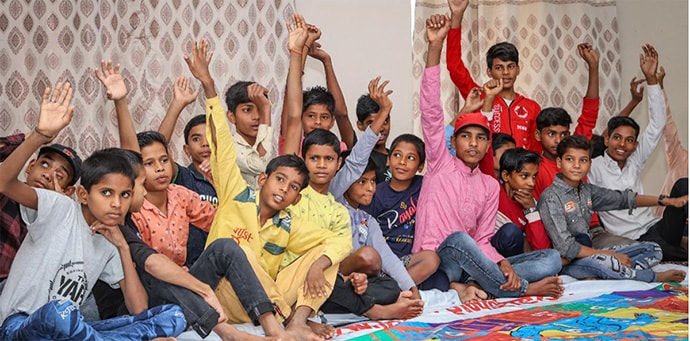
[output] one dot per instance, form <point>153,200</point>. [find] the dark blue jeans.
<point>509,240</point>
<point>61,320</point>
<point>462,260</point>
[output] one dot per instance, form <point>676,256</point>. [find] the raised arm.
<point>458,71</point>
<point>358,159</point>
<point>116,90</point>
<point>347,133</point>
<point>55,114</point>
<point>590,104</point>
<point>182,97</point>
<point>651,135</point>
<point>291,127</point>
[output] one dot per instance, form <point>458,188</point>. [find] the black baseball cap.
<point>69,154</point>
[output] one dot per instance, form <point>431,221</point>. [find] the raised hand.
<point>112,80</point>
<point>636,90</point>
<point>473,102</point>
<point>199,61</point>
<point>182,91</point>
<point>493,87</point>
<point>297,33</point>
<point>56,111</point>
<point>259,96</point>
<point>649,60</point>
<point>379,94</point>
<point>315,51</point>
<point>589,54</point>
<point>437,27</point>
<point>660,76</point>
<point>313,34</point>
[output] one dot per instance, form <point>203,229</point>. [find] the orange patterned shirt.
<point>168,234</point>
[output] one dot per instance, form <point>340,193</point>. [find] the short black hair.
<point>498,140</point>
<point>415,141</point>
<point>291,161</point>
<point>237,94</point>
<point>134,158</point>
<point>598,145</point>
<point>102,163</point>
<point>514,160</point>
<point>149,137</point>
<point>619,121</point>
<point>504,51</point>
<point>574,142</point>
<point>318,95</point>
<point>365,107</point>
<point>320,137</point>
<point>193,122</point>
<point>553,116</point>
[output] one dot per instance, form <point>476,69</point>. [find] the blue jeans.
<point>462,260</point>
<point>61,320</point>
<point>643,256</point>
<point>509,240</point>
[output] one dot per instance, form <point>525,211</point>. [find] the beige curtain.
<point>546,34</point>
<point>46,41</point>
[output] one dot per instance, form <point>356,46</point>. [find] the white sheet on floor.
<point>445,306</point>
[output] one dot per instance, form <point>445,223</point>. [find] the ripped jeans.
<point>642,255</point>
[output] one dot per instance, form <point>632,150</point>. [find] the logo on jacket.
<point>521,112</point>
<point>569,207</point>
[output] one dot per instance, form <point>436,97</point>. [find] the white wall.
<point>365,39</point>
<point>664,24</point>
<point>368,38</point>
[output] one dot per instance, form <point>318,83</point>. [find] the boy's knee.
<point>430,259</point>
<point>680,188</point>
<point>457,240</point>
<point>370,260</point>
<point>225,246</point>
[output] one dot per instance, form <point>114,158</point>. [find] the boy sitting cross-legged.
<point>458,203</point>
<point>566,209</point>
<point>518,225</point>
<point>260,223</point>
<point>71,245</point>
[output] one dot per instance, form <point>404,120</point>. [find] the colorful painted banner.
<point>660,313</point>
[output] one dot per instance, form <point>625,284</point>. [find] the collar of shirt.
<point>613,164</point>
<point>173,198</point>
<point>561,185</point>
<point>464,169</point>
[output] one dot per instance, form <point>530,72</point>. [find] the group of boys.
<point>345,227</point>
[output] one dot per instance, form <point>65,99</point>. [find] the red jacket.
<point>517,119</point>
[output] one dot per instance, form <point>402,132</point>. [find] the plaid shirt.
<point>12,228</point>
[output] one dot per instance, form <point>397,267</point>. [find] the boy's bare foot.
<point>469,292</point>
<point>227,332</point>
<point>670,276</point>
<point>549,286</point>
<point>404,308</point>
<point>323,330</point>
<point>301,331</point>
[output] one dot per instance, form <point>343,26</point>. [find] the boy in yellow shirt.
<point>260,223</point>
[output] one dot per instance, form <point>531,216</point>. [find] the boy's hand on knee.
<point>623,258</point>
<point>512,279</point>
<point>212,300</point>
<point>359,282</point>
<point>315,284</point>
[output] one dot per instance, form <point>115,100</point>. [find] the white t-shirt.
<point>59,258</point>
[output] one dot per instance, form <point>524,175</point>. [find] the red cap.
<point>473,119</point>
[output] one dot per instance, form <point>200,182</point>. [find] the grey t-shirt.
<point>59,258</point>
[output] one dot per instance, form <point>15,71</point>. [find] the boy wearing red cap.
<point>458,203</point>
